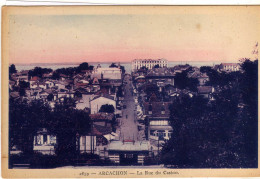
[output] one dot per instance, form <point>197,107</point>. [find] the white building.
<point>148,63</point>
<point>107,73</point>
<point>98,101</point>
<point>84,102</point>
<point>86,142</point>
<point>229,67</point>
<point>44,142</point>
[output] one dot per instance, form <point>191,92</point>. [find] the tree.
<point>22,92</point>
<point>205,69</point>
<point>220,133</point>
<point>249,90</point>
<point>50,97</point>
<point>55,75</point>
<point>156,66</point>
<point>144,68</point>
<point>71,70</point>
<point>151,89</point>
<point>83,66</point>
<point>108,108</point>
<point>24,84</point>
<point>12,69</point>
<point>119,92</point>
<point>91,67</point>
<point>186,113</point>
<point>113,65</point>
<point>24,121</point>
<point>67,123</point>
<point>182,81</point>
<point>78,94</point>
<point>122,69</point>
<point>38,71</point>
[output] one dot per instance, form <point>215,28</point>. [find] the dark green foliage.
<point>182,81</point>
<point>22,92</point>
<point>12,69</point>
<point>78,94</point>
<point>21,87</point>
<point>24,84</point>
<point>205,69</point>
<point>119,92</point>
<point>63,121</point>
<point>71,70</point>
<point>83,66</point>
<point>151,89</point>
<point>113,65</point>
<point>24,121</point>
<point>218,134</point>
<point>38,160</point>
<point>50,97</point>
<point>220,79</point>
<point>108,108</point>
<point>144,68</point>
<point>38,71</point>
<point>156,66</point>
<point>65,71</point>
<point>56,75</point>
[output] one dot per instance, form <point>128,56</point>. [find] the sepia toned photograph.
<point>130,91</point>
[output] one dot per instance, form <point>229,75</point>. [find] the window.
<point>129,155</point>
<point>163,109</point>
<point>152,132</point>
<point>38,139</point>
<point>84,140</point>
<point>45,138</point>
<point>159,123</point>
<point>150,108</point>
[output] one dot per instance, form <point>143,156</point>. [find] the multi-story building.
<point>158,115</point>
<point>160,76</point>
<point>229,67</point>
<point>148,63</point>
<point>107,73</point>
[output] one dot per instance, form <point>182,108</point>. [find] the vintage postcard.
<point>130,91</point>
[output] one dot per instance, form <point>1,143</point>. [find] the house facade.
<point>148,63</point>
<point>44,142</point>
<point>229,67</point>
<point>157,120</point>
<point>128,152</point>
<point>98,101</point>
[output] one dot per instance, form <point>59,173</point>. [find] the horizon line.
<point>77,63</point>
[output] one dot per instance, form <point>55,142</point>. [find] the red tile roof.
<point>157,108</point>
<point>35,78</point>
<point>98,130</point>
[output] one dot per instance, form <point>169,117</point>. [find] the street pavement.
<point>128,124</point>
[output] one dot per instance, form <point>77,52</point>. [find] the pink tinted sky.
<point>97,38</point>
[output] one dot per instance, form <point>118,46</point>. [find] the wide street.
<point>128,124</point>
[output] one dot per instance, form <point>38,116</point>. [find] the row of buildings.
<point>153,106</point>
<point>89,89</point>
<point>150,63</point>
